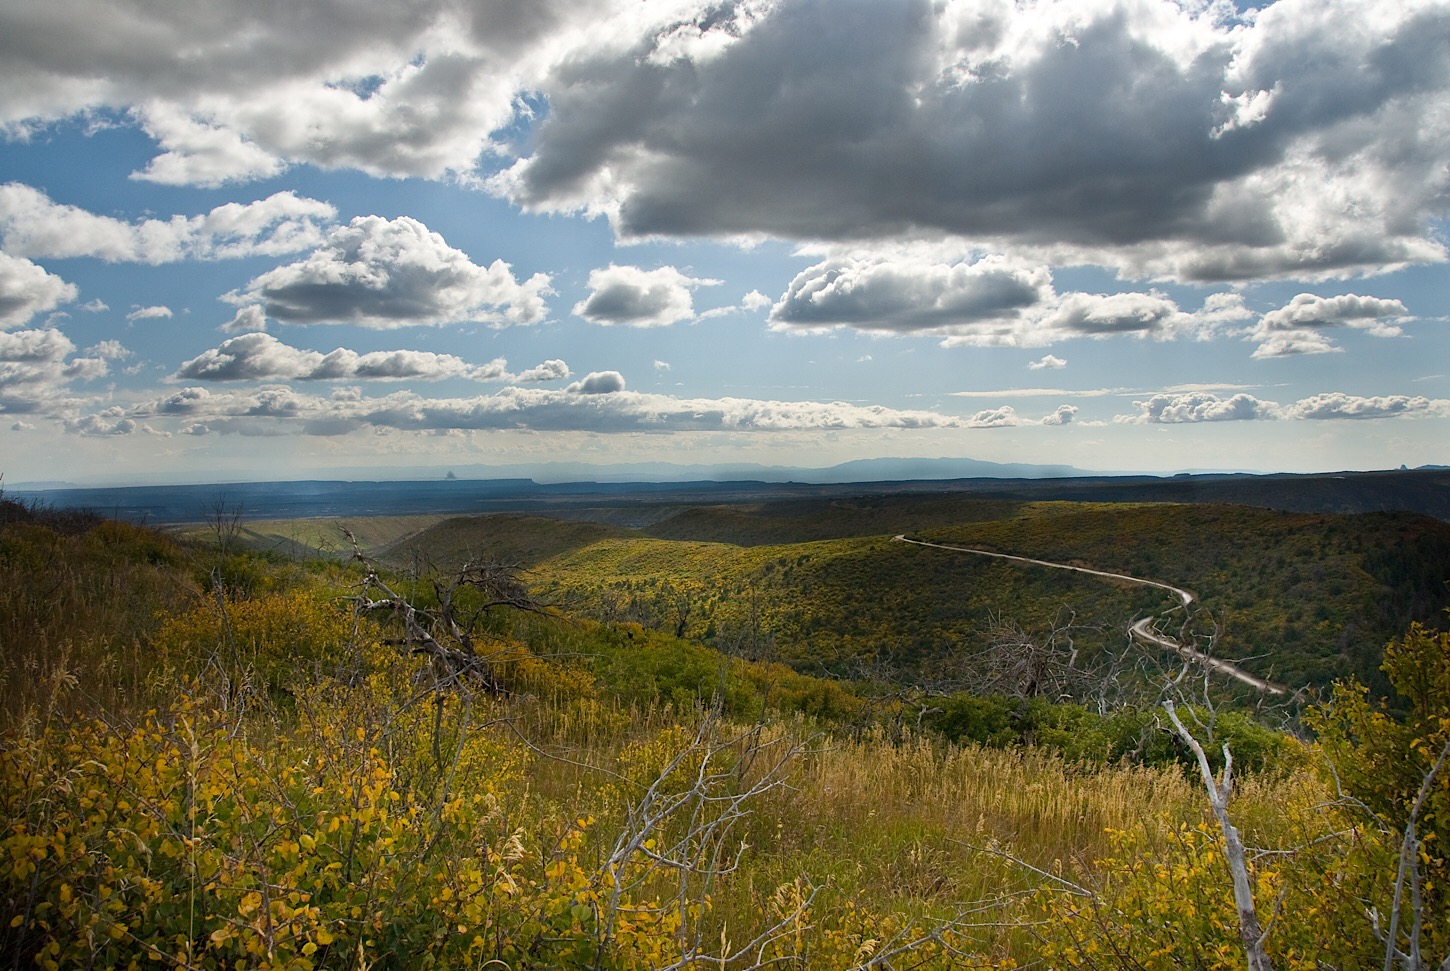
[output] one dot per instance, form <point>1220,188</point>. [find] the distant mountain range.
<point>1417,490</point>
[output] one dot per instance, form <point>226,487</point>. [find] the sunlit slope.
<point>1301,598</point>
<point>854,607</point>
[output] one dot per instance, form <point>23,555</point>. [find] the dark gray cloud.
<point>1137,135</point>
<point>1165,140</point>
<point>387,273</point>
<point>233,90</point>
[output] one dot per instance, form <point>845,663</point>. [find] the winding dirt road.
<point>1141,630</point>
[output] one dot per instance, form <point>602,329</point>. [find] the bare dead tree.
<point>447,633</point>
<point>1410,871</point>
<point>681,828</point>
<point>224,520</point>
<point>1219,790</point>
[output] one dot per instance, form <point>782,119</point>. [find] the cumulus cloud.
<point>989,301</point>
<point>1165,140</point>
<point>551,370</point>
<point>1003,417</point>
<point>1047,362</point>
<point>755,300</point>
<point>387,273</point>
<point>896,295</point>
<point>262,357</point>
<point>1339,405</point>
<point>27,290</point>
<point>598,382</point>
<point>198,152</point>
<point>1171,141</point>
<point>598,403</point>
<point>1096,314</point>
<point>1064,415</point>
<point>109,350</point>
<point>32,225</point>
<point>635,297</point>
<point>109,423</point>
<point>1198,406</point>
<point>1297,327</point>
<point>150,313</point>
<point>38,366</point>
<point>248,319</point>
<point>1206,406</point>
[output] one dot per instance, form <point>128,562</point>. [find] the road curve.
<point>1141,630</point>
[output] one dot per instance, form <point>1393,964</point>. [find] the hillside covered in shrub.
<point>218,758</point>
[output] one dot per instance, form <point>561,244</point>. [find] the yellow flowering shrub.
<point>350,839</point>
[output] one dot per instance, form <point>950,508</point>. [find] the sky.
<point>246,240</point>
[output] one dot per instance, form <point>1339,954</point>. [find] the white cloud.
<point>27,289</point>
<point>634,297</point>
<point>110,350</point>
<point>111,422</point>
<point>986,302</point>
<point>754,301</point>
<point>1048,362</point>
<point>598,403</point>
<point>150,313</point>
<point>1296,328</point>
<point>551,370</point>
<point>1205,406</point>
<point>661,366</point>
<point>200,153</point>
<point>1339,405</point>
<point>32,225</point>
<point>262,357</point>
<point>1096,315</point>
<point>890,294</point>
<point>248,319</point>
<point>387,273</point>
<point>1003,417</point>
<point>37,368</point>
<point>1064,415</point>
<point>1199,406</point>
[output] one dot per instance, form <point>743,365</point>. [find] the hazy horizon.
<point>1135,235</point>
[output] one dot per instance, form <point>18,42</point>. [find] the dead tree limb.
<point>1219,791</point>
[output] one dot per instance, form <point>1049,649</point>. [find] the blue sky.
<point>347,238</point>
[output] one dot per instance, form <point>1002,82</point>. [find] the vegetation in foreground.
<point>213,759</point>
